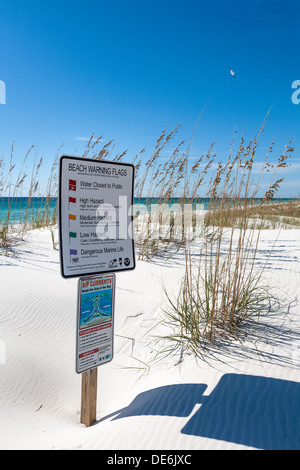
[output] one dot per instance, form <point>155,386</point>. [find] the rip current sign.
<point>95,322</point>
<point>95,216</point>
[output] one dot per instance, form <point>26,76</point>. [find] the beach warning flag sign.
<point>95,216</point>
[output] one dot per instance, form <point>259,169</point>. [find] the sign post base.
<point>89,397</point>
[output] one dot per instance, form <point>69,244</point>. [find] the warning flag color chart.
<point>95,216</point>
<point>95,322</point>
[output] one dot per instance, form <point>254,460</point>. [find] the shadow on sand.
<point>254,411</point>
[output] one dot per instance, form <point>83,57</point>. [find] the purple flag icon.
<point>73,252</point>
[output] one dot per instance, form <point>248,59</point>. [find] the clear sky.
<point>125,69</point>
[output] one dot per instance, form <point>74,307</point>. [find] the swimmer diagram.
<point>95,308</point>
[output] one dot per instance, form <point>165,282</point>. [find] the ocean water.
<point>20,208</point>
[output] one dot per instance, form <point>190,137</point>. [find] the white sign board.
<point>95,322</point>
<point>95,216</point>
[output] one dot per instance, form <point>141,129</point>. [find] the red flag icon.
<point>72,199</point>
<point>72,185</point>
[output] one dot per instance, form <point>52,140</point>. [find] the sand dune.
<point>250,401</point>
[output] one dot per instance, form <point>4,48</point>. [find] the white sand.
<point>251,401</point>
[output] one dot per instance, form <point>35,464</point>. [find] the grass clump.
<point>201,319</point>
<point>223,287</point>
<point>35,210</point>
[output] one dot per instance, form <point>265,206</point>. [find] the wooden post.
<point>89,397</point>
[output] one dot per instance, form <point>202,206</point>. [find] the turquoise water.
<point>21,207</point>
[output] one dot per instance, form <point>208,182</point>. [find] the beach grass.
<point>221,287</point>
<point>14,181</point>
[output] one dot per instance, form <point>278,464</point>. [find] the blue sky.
<point>126,69</point>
